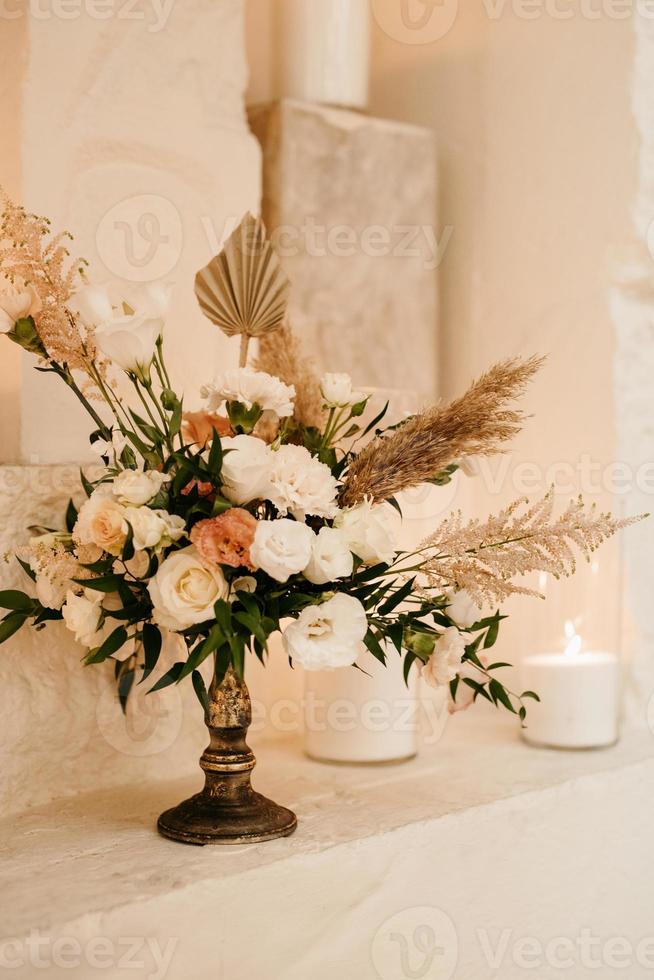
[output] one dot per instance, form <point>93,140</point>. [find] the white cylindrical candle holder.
<point>579,699</point>
<point>325,51</point>
<point>361,716</point>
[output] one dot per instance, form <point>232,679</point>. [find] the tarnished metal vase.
<point>227,811</point>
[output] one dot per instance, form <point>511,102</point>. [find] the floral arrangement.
<point>267,510</point>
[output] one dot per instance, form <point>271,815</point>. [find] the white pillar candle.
<point>579,698</point>
<point>324,51</point>
<point>352,716</point>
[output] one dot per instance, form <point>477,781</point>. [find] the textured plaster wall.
<point>133,136</point>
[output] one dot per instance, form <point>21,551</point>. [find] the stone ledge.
<point>494,833</point>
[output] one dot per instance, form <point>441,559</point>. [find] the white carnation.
<point>327,636</point>
<point>445,662</point>
<point>184,591</point>
<point>250,387</point>
<point>331,557</point>
<point>300,484</point>
<point>368,532</point>
<point>281,548</point>
<point>245,468</point>
<point>138,487</point>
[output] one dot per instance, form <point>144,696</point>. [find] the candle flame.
<point>574,640</point>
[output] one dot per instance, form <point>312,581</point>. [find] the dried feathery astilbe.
<point>483,557</point>
<point>31,253</point>
<point>477,423</point>
<point>281,355</point>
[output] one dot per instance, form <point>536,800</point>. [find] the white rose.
<point>281,548</point>
<point>329,635</point>
<point>101,522</point>
<point>82,615</point>
<point>138,487</point>
<point>462,609</point>
<point>183,591</point>
<point>368,532</point>
<point>250,387</point>
<point>245,468</point>
<point>331,557</point>
<point>130,341</point>
<point>16,301</point>
<point>337,391</point>
<point>445,662</point>
<point>154,528</point>
<point>300,484</point>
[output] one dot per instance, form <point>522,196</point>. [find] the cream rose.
<point>281,548</point>
<point>82,615</point>
<point>101,522</point>
<point>245,468</point>
<point>368,532</point>
<point>300,484</point>
<point>331,557</point>
<point>445,662</point>
<point>184,591</point>
<point>327,636</point>
<point>138,487</point>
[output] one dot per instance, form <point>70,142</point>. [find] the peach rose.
<point>198,427</point>
<point>226,540</point>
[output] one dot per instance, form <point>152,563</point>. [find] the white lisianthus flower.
<point>101,522</point>
<point>281,548</point>
<point>250,387</point>
<point>82,615</point>
<point>331,557</point>
<point>103,448</point>
<point>92,304</point>
<point>245,468</point>
<point>138,487</point>
<point>337,391</point>
<point>462,609</point>
<point>300,484</point>
<point>445,662</point>
<point>130,341</point>
<point>149,299</point>
<point>368,532</point>
<point>327,636</point>
<point>184,591</point>
<point>154,528</point>
<point>17,300</point>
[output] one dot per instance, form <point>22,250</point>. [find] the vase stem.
<point>228,810</point>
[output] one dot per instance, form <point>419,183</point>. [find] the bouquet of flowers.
<point>222,524</point>
<point>268,510</point>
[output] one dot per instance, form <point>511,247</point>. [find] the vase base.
<point>204,819</point>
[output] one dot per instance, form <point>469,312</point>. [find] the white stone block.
<point>350,204</point>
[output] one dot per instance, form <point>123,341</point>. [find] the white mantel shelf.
<point>494,833</point>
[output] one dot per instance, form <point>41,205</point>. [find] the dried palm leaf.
<point>243,290</point>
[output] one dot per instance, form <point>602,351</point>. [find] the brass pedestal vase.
<point>227,811</point>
